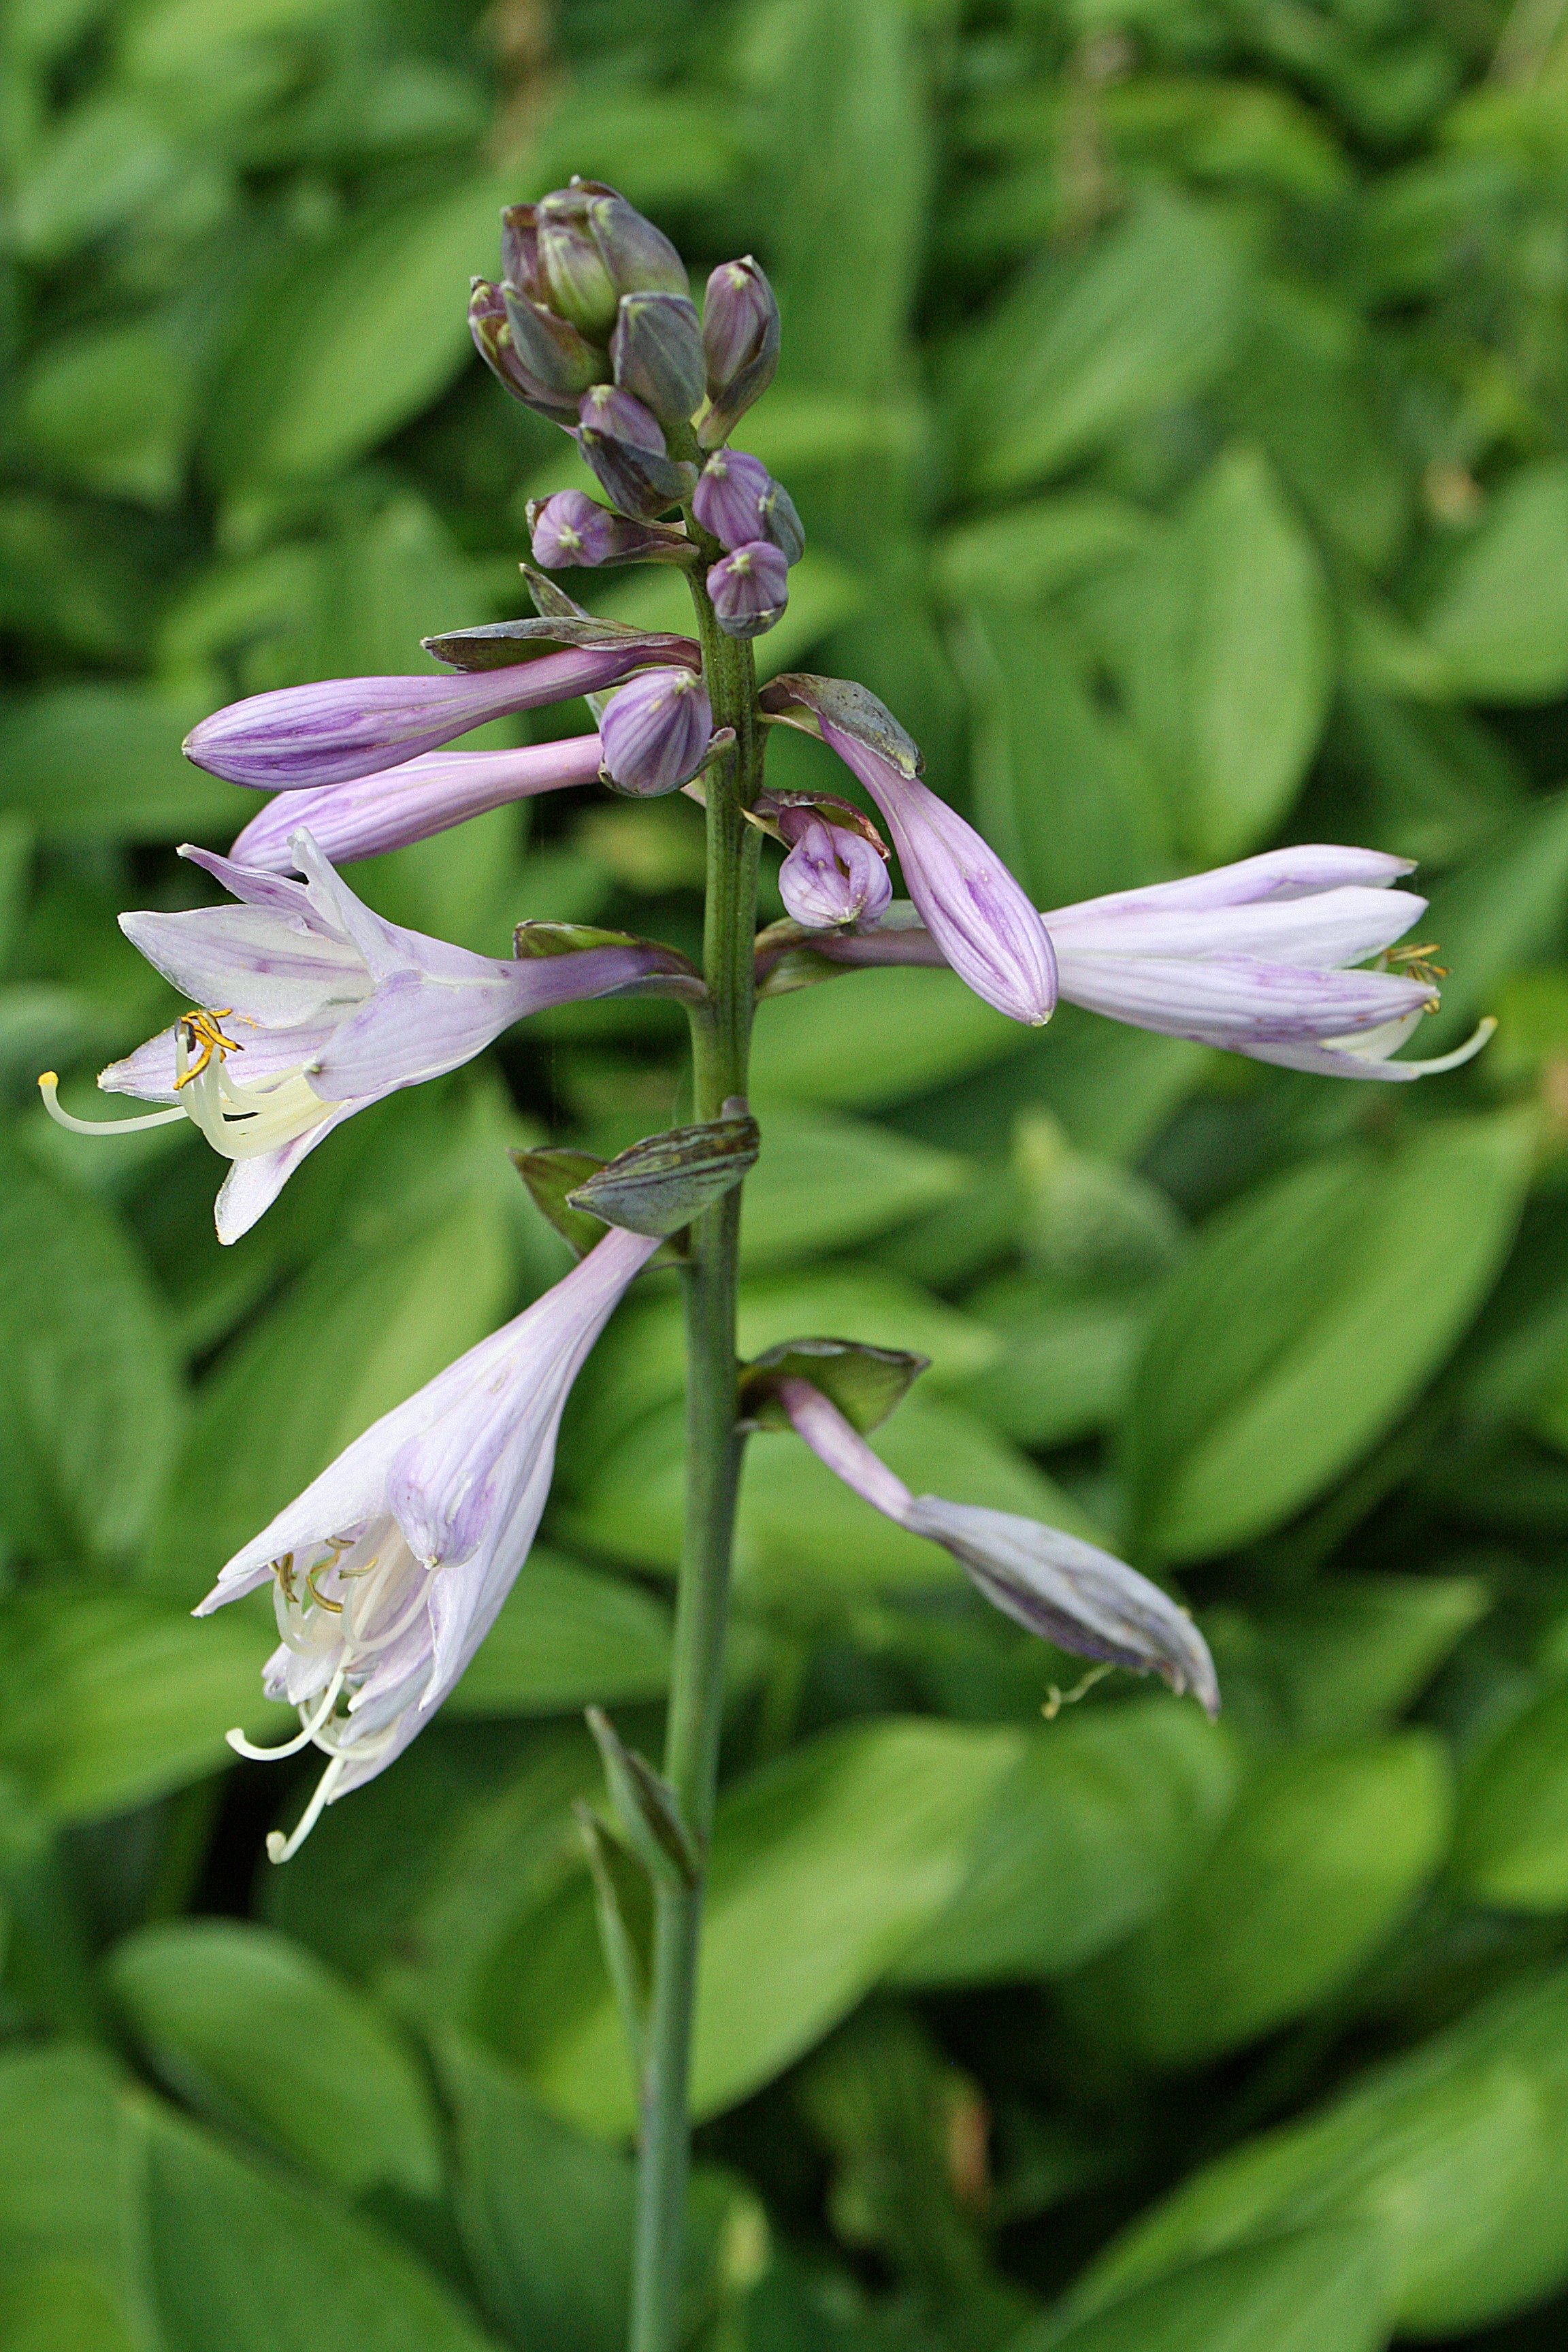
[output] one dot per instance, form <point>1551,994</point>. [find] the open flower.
<point>1288,957</point>
<point>1065,1590</point>
<point>310,1007</point>
<point>389,1570</point>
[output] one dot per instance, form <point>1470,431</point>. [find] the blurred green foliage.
<point>1176,393</point>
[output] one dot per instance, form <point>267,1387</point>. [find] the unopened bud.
<point>575,280</point>
<point>738,500</point>
<point>572,528</point>
<point>624,443</point>
<point>739,343</point>
<point>491,331</point>
<point>749,589</point>
<point>551,351</point>
<point>656,349</point>
<point>519,251</point>
<point>781,523</point>
<point>639,257</point>
<point>588,247</point>
<point>831,875</point>
<point>654,732</point>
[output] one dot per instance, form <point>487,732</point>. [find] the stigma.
<point>242,1118</point>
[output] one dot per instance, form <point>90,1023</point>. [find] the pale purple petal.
<point>1337,927</point>
<point>252,1186</point>
<point>213,953</point>
<point>348,727</point>
<point>840,1445</point>
<point>977,914</point>
<point>1299,873</point>
<point>832,875</point>
<point>395,806</point>
<point>1237,1000</point>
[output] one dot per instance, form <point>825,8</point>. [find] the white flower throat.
<point>341,1615</point>
<point>242,1120</point>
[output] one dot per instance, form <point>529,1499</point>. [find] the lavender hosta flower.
<point>738,500</point>
<point>977,914</point>
<point>297,736</point>
<point>739,344</point>
<point>831,875</point>
<point>657,353</point>
<point>389,1569</point>
<point>1057,1585</point>
<point>1268,957</point>
<point>309,1007</point>
<point>749,589</point>
<point>399,805</point>
<point>656,731</point>
<point>570,528</point>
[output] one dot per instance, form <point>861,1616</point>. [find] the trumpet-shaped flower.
<point>399,805</point>
<point>1065,1590</point>
<point>346,727</point>
<point>388,1572</point>
<point>308,1007</point>
<point>1288,957</point>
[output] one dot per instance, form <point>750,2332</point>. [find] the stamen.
<point>201,1028</point>
<point>322,1568</point>
<point>279,1847</point>
<point>49,1081</point>
<point>243,1747</point>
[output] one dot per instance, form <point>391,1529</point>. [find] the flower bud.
<point>749,589</point>
<point>781,523</point>
<point>739,343</point>
<point>831,875</point>
<point>575,280</point>
<point>728,499</point>
<point>591,247</point>
<point>519,251</point>
<point>491,331</point>
<point>656,349</point>
<point>656,730</point>
<point>572,528</point>
<point>624,443</point>
<point>639,257</point>
<point>551,351</point>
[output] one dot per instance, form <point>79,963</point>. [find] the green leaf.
<point>67,2164</point>
<point>1323,1854</point>
<point>823,1869</point>
<point>90,1405</point>
<point>1083,348</point>
<point>1220,638</point>
<point>1500,619</point>
<point>1306,1320</point>
<point>1500,910</point>
<point>1062,784</point>
<point>1101,1820</point>
<point>810,1046</point>
<point>102,763</point>
<point>259,2035</point>
<point>1030,551</point>
<point>1312,2291</point>
<point>244,2262</point>
<point>823,1184</point>
<point>60,2308</point>
<point>360,1331</point>
<point>1456,2154</point>
<point>1511,1843</point>
<point>566,1637</point>
<point>110,409</point>
<point>353,337</point>
<point>1066,1358</point>
<point>1352,1651</point>
<point>108,1699</point>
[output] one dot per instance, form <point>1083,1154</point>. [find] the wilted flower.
<point>656,731</point>
<point>571,528</point>
<point>739,343</point>
<point>389,1570</point>
<point>972,906</point>
<point>1260,958</point>
<point>749,588</point>
<point>398,806</point>
<point>347,727</point>
<point>308,1008</point>
<point>1065,1590</point>
<point>831,875</point>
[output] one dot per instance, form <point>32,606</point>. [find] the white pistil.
<point>279,1847</point>
<point>48,1083</point>
<point>243,1747</point>
<point>244,1121</point>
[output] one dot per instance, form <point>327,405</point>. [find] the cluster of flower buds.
<point>593,326</point>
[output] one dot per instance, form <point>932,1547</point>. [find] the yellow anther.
<point>1416,962</point>
<point>314,1590</point>
<point>201,1029</point>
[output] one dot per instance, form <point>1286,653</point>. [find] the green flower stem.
<point>721,1037</point>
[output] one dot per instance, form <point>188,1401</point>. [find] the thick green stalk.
<point>720,1040</point>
